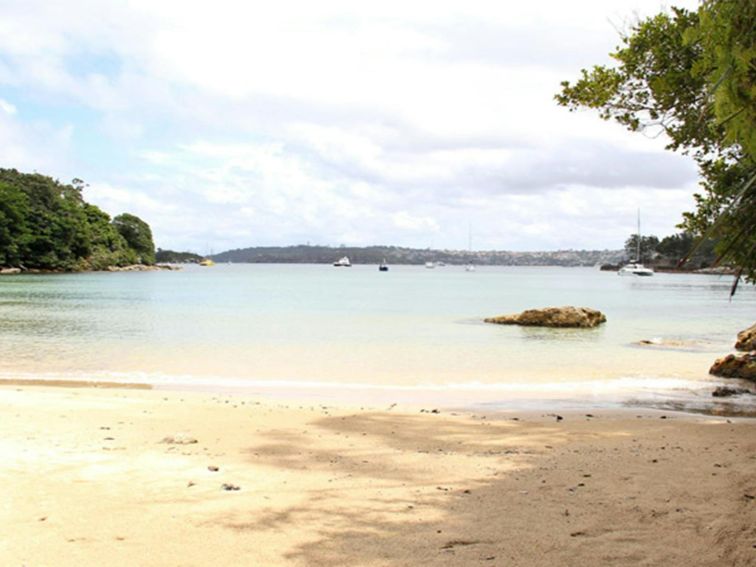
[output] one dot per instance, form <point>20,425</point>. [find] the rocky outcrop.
<point>580,317</point>
<point>9,271</point>
<point>142,268</point>
<point>735,366</point>
<point>747,339</point>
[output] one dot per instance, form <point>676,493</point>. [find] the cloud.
<point>7,107</point>
<point>237,124</point>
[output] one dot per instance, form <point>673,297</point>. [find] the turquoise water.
<point>412,329</point>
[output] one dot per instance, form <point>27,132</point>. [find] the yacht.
<point>430,265</point>
<point>343,262</point>
<point>383,267</point>
<point>635,268</point>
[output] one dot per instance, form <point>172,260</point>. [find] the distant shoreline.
<point>14,271</point>
<point>176,266</point>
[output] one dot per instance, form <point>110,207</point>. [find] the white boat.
<point>343,262</point>
<point>635,268</point>
<point>430,265</point>
<point>470,267</point>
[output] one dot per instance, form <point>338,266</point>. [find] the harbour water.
<point>408,333</point>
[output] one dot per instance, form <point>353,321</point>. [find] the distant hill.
<point>398,255</point>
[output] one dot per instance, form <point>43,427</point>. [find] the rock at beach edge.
<point>563,317</point>
<point>732,366</point>
<point>747,339</point>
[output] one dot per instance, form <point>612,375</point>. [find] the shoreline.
<point>130,476</point>
<point>683,396</point>
<point>16,271</point>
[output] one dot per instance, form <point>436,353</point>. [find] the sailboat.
<point>383,266</point>
<point>635,268</point>
<point>470,266</point>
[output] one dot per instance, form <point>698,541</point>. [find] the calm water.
<point>310,327</point>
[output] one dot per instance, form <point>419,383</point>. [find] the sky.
<point>229,124</point>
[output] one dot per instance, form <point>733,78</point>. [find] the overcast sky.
<point>228,124</point>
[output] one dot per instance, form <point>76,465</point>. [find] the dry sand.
<point>86,480</point>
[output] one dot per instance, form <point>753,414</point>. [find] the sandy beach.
<point>136,477</point>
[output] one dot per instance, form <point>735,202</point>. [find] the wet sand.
<point>114,477</point>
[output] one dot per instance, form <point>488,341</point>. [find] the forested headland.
<point>47,225</point>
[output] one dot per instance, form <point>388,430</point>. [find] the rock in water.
<point>726,392</point>
<point>732,366</point>
<point>747,339</point>
<point>179,439</point>
<point>581,317</point>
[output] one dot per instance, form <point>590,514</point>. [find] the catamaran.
<point>635,268</point>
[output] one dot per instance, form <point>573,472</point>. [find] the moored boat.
<point>635,268</point>
<point>343,262</point>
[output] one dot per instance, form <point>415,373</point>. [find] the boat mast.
<point>469,241</point>
<point>638,243</point>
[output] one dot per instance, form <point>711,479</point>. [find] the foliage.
<point>648,246</point>
<point>691,75</point>
<point>173,257</point>
<point>138,236</point>
<point>671,251</point>
<point>674,249</point>
<point>47,225</point>
<point>13,229</point>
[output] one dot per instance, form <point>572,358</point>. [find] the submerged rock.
<point>179,439</point>
<point>671,344</point>
<point>143,268</point>
<point>747,339</point>
<point>581,317</point>
<point>735,366</point>
<point>726,392</point>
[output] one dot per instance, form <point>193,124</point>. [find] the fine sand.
<point>113,477</point>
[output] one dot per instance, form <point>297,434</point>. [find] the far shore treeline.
<point>47,225</point>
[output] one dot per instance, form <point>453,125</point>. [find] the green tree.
<point>648,245</point>
<point>691,75</point>
<point>47,225</point>
<point>677,247</point>
<point>138,236</point>
<point>14,232</point>
<point>109,248</point>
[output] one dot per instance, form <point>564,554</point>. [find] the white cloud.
<point>246,123</point>
<point>405,220</point>
<point>7,107</point>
